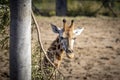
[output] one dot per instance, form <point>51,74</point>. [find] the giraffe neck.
<point>55,52</point>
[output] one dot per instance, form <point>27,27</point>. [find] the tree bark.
<point>61,7</point>
<point>20,40</point>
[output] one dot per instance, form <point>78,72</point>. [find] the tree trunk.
<point>20,40</point>
<point>61,7</point>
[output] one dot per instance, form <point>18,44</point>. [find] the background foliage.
<point>47,8</point>
<point>79,7</point>
<point>4,23</point>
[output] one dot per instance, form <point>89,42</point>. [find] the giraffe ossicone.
<point>64,42</point>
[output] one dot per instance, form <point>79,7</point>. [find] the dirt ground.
<point>97,49</point>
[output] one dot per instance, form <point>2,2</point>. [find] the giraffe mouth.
<point>69,53</point>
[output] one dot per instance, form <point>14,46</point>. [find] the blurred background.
<point>77,7</point>
<point>97,49</point>
<point>66,8</point>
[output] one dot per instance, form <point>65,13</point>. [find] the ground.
<point>97,49</point>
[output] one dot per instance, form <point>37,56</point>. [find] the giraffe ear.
<point>55,29</point>
<point>78,31</point>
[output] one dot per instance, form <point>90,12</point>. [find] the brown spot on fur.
<point>58,56</point>
<point>61,50</point>
<point>59,46</point>
<point>56,64</point>
<point>57,40</point>
<point>53,48</point>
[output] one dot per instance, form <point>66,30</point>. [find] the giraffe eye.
<point>62,37</point>
<point>74,38</point>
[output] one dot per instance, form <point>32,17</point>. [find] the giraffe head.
<point>67,36</point>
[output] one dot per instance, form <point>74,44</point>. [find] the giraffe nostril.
<point>69,51</point>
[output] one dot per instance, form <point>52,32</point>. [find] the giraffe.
<point>63,43</point>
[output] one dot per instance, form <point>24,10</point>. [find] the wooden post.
<point>61,7</point>
<point>20,40</point>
